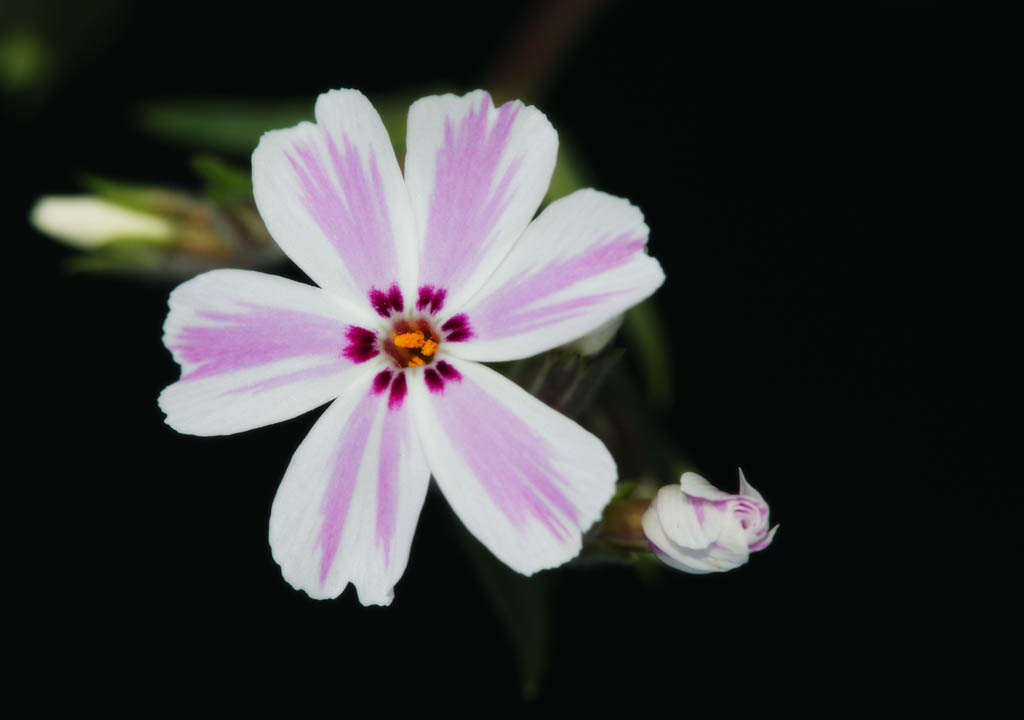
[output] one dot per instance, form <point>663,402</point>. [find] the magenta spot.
<point>362,344</point>
<point>434,381</point>
<point>381,382</point>
<point>397,394</point>
<point>395,298</point>
<point>449,372</point>
<point>438,302</point>
<point>457,328</point>
<point>426,296</point>
<point>380,302</point>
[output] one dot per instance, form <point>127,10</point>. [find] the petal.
<point>524,479</point>
<point>679,558</point>
<point>347,508</point>
<point>254,349</point>
<point>333,198</point>
<point>765,541</point>
<point>689,522</point>
<point>696,486</point>
<point>476,176</point>
<point>581,262</point>
<point>747,490</point>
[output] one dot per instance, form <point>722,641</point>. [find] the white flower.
<point>697,528</point>
<point>422,278</point>
<point>87,222</point>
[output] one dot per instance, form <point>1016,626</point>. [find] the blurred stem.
<point>527,68</point>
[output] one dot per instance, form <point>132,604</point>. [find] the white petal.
<point>747,490</point>
<point>347,508</point>
<point>688,522</point>
<point>693,484</point>
<point>332,196</point>
<point>476,176</point>
<point>580,263</point>
<point>254,349</point>
<point>680,558</point>
<point>524,479</point>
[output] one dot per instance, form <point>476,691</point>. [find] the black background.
<point>823,186</point>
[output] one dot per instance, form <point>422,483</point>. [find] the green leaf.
<point>234,127</point>
<point>224,182</point>
<point>227,126</point>
<point>137,196</point>
<point>127,257</point>
<point>569,174</point>
<point>522,603</point>
<point>647,336</point>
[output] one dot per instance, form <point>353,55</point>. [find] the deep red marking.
<point>438,302</point>
<point>398,389</point>
<point>434,381</point>
<point>362,344</point>
<point>380,302</point>
<point>457,328</point>
<point>448,372</point>
<point>425,297</point>
<point>381,381</point>
<point>395,298</point>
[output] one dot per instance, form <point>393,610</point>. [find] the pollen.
<point>411,342</point>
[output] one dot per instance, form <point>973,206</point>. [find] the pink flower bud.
<point>697,528</point>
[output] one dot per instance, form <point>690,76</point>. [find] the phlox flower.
<point>697,528</point>
<point>421,279</point>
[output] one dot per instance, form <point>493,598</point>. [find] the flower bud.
<point>88,222</point>
<point>697,528</point>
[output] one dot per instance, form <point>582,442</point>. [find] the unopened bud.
<point>88,222</point>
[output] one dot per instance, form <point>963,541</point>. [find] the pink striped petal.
<point>476,176</point>
<point>333,198</point>
<point>350,499</point>
<point>524,479</point>
<point>254,349</point>
<point>581,262</point>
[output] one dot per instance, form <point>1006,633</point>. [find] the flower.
<point>85,221</point>
<point>697,528</point>
<point>421,279</point>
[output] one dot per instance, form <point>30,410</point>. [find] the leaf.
<point>522,603</point>
<point>234,127</point>
<point>569,174</point>
<point>224,182</point>
<point>648,337</point>
<point>227,126</point>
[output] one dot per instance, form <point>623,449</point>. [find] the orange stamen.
<point>415,360</point>
<point>429,348</point>
<point>410,340</point>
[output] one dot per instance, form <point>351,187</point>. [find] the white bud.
<point>87,222</point>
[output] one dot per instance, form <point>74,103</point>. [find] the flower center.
<point>411,342</point>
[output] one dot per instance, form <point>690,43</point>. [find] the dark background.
<point>823,186</point>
